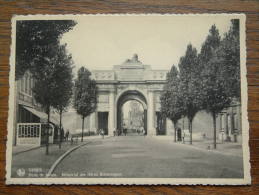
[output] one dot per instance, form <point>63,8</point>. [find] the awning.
<point>43,116</point>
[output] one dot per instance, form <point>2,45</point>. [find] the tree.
<point>190,85</point>
<point>85,95</point>
<point>215,97</point>
<point>63,84</point>
<point>171,102</point>
<point>37,42</point>
<point>229,56</point>
<point>33,38</point>
<point>211,43</point>
<point>46,81</point>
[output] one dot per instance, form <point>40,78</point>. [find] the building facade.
<point>29,118</point>
<point>133,80</point>
<point>130,80</point>
<point>229,120</point>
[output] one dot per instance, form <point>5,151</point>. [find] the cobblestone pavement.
<point>138,156</point>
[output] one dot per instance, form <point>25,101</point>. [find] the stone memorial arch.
<point>131,80</point>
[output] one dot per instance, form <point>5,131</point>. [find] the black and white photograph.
<point>128,99</point>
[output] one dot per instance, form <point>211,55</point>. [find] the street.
<point>138,156</point>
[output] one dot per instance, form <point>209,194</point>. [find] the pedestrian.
<point>179,131</point>
<point>102,133</point>
<point>62,135</point>
<point>114,132</point>
<point>72,140</point>
<point>142,129</point>
<point>67,135</point>
<point>144,132</point>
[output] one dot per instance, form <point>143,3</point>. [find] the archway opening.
<point>132,114</point>
<point>132,118</point>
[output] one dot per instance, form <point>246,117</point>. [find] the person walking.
<point>144,132</point>
<point>67,135</point>
<point>183,137</point>
<point>114,132</point>
<point>102,133</point>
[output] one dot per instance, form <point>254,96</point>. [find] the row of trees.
<point>208,80</point>
<point>39,51</point>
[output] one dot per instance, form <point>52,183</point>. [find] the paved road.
<point>138,156</point>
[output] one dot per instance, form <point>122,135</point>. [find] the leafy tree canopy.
<point>190,85</point>
<point>64,79</point>
<point>216,78</point>
<point>171,102</point>
<point>50,76</point>
<point>229,56</point>
<point>34,39</point>
<point>208,47</point>
<point>85,95</point>
<point>215,96</point>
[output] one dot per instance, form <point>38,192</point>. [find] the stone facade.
<point>130,80</point>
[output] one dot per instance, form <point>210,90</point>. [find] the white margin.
<point>131,181</point>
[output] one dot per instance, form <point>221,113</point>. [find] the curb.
<point>193,146</point>
<point>30,149</point>
<point>23,151</point>
<point>52,168</point>
<point>212,150</point>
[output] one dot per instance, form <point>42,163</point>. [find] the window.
<point>22,85</point>
<point>229,125</point>
<point>26,83</point>
<point>30,85</point>
<point>220,121</point>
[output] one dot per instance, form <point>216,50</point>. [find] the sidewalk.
<point>33,160</point>
<point>228,148</point>
<point>25,148</point>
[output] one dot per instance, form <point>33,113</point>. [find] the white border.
<point>129,181</point>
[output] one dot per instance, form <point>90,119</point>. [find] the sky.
<point>99,42</point>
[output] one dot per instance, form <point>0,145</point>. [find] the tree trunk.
<point>82,129</point>
<point>47,133</point>
<point>190,129</point>
<point>214,130</point>
<point>175,131</point>
<point>60,131</point>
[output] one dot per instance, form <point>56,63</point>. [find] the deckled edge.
<point>11,102</point>
<point>130,181</point>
